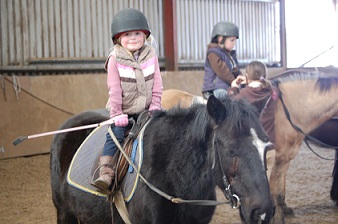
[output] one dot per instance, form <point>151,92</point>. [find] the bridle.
<point>233,199</point>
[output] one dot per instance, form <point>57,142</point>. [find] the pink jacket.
<point>134,85</point>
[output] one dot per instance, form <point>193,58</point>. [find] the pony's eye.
<point>232,152</point>
<point>245,113</point>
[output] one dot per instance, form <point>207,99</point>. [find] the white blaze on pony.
<point>260,145</point>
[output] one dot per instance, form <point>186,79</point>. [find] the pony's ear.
<point>216,109</point>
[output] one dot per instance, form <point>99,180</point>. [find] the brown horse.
<point>307,101</point>
<point>173,97</point>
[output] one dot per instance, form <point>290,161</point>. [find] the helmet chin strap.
<point>221,43</point>
<point>223,40</point>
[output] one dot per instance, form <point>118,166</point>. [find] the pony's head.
<point>238,152</point>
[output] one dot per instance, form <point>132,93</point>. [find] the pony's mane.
<point>196,114</point>
<point>324,81</point>
<point>290,76</point>
<point>237,112</point>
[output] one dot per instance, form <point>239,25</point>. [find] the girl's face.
<point>230,43</point>
<point>132,40</point>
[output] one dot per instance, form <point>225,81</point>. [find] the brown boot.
<point>107,173</point>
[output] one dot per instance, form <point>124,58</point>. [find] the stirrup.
<point>100,189</point>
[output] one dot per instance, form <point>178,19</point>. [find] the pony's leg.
<point>284,155</point>
<point>334,187</point>
<point>270,160</point>
<point>64,217</point>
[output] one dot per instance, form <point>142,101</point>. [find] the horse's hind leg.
<point>64,217</point>
<point>62,211</point>
<point>334,188</point>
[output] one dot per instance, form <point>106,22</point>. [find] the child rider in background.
<point>261,93</point>
<point>221,65</point>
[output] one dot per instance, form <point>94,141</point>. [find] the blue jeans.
<point>218,93</point>
<point>110,148</point>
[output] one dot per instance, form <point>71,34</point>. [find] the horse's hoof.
<point>288,211</point>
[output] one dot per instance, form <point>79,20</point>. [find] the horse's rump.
<point>175,97</point>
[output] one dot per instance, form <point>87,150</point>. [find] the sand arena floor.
<point>25,196</point>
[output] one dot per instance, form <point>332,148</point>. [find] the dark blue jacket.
<point>211,80</point>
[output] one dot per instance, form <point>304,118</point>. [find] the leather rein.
<point>233,199</point>
<point>306,136</point>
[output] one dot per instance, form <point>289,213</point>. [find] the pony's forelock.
<point>238,112</point>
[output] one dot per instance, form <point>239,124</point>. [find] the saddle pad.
<point>85,162</point>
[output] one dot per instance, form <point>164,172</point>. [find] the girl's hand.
<point>241,79</point>
<point>121,120</point>
<point>238,81</point>
<point>234,84</point>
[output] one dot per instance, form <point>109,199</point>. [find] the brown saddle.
<point>122,163</point>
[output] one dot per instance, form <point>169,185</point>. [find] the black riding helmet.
<point>225,29</point>
<point>128,20</point>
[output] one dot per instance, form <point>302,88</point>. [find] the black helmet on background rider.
<point>225,29</point>
<point>128,20</point>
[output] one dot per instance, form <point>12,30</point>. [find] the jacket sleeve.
<point>157,89</point>
<point>220,68</point>
<point>114,87</point>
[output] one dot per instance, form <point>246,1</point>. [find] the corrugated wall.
<point>76,33</point>
<point>40,31</point>
<point>258,22</point>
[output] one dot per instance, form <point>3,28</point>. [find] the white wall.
<point>312,28</point>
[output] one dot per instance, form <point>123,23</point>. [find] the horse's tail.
<point>334,188</point>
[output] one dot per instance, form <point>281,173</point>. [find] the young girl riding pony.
<point>134,83</point>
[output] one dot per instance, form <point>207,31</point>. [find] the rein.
<point>306,136</point>
<point>233,199</point>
